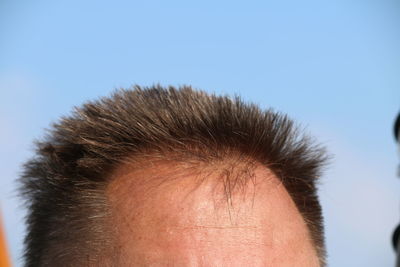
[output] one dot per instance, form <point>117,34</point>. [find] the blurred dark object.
<point>396,234</point>
<point>397,127</point>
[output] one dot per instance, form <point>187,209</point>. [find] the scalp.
<point>228,213</point>
<point>64,184</point>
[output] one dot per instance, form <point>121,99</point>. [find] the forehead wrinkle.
<point>232,181</point>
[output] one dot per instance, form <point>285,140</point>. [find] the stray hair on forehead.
<point>64,184</point>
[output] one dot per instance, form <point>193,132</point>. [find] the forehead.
<point>165,213</point>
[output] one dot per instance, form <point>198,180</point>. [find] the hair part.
<point>63,185</point>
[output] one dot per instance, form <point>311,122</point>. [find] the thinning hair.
<point>64,184</point>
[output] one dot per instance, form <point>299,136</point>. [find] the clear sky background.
<point>334,66</point>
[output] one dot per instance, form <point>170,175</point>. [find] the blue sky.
<point>332,66</point>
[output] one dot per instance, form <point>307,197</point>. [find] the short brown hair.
<point>63,185</point>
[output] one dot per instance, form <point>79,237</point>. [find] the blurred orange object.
<point>4,259</point>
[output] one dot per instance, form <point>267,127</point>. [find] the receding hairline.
<point>73,161</point>
<point>173,177</point>
<point>234,170</point>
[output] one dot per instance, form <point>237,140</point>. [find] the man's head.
<point>173,177</point>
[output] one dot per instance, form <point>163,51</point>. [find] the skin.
<point>164,215</point>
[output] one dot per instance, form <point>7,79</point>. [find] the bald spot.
<point>168,214</point>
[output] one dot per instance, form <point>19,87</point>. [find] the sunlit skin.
<point>179,221</point>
